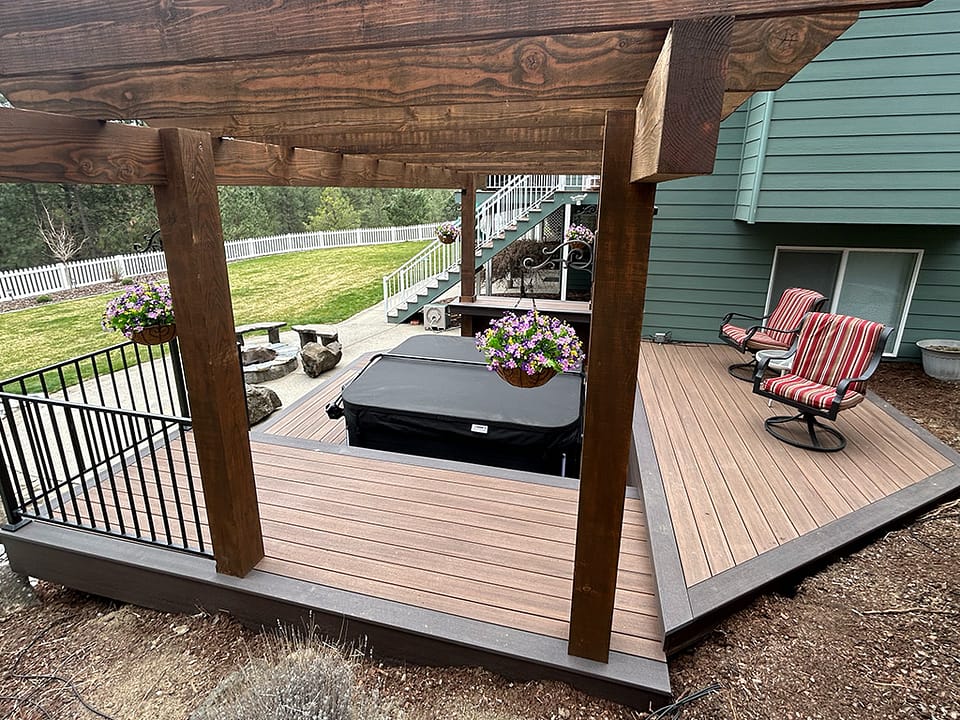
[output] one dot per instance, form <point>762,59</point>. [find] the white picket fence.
<point>31,282</point>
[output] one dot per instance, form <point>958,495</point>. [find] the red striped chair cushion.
<point>793,305</point>
<point>806,392</point>
<point>758,341</point>
<point>833,347</point>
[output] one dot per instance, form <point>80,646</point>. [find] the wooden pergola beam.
<point>678,120</point>
<point>542,78</point>
<point>47,35</point>
<point>42,147</point>
<point>242,162</point>
<point>505,139</point>
<point>595,65</point>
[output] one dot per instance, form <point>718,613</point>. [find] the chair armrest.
<point>869,370</point>
<point>730,315</point>
<point>762,365</point>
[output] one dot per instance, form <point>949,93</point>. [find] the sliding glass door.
<point>872,284</point>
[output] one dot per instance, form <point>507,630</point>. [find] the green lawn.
<point>319,286</point>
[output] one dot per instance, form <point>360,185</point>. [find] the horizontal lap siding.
<point>838,158</point>
<point>870,131</point>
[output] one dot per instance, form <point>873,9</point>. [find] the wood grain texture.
<point>412,118</point>
<point>45,147</point>
<point>619,283</point>
<point>46,35</point>
<point>40,147</point>
<point>766,53</point>
<point>528,139</point>
<point>485,548</point>
<point>189,213</point>
<point>594,65</point>
<point>678,120</point>
<point>468,240</point>
<point>241,162</point>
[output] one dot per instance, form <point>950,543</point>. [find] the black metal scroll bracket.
<point>151,243</point>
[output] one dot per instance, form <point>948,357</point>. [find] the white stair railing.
<point>509,205</point>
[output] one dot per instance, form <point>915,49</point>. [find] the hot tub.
<point>434,396</point>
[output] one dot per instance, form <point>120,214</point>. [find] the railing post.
<point>11,508</point>
<point>177,364</point>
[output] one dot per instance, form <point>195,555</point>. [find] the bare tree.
<point>61,243</point>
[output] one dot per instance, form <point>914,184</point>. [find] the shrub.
<point>298,679</point>
<point>42,299</point>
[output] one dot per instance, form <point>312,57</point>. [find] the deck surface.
<point>489,549</point>
<point>306,419</point>
<point>734,492</point>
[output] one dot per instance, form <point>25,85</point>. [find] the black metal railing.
<point>126,473</point>
<point>142,378</point>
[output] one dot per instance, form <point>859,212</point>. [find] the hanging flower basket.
<point>580,236</point>
<point>144,313</point>
<point>528,350</point>
<point>518,378</point>
<point>155,334</point>
<point>448,233</point>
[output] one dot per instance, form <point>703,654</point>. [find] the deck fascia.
<point>179,582</point>
<point>675,608</point>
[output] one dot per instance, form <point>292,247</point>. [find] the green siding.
<point>703,263</point>
<point>867,133</point>
<point>756,130</point>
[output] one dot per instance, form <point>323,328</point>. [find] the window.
<point>873,284</point>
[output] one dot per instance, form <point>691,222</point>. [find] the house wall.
<point>870,131</point>
<point>861,150</point>
<point>704,263</point>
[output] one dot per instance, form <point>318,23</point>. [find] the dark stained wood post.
<point>619,283</point>
<point>673,134</point>
<point>468,250</point>
<point>197,266</point>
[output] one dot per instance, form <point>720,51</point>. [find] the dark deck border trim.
<point>917,429</point>
<point>675,608</point>
<point>720,595</point>
<point>176,582</point>
<point>264,427</point>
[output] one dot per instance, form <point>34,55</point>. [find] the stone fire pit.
<point>262,363</point>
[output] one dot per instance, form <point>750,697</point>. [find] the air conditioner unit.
<point>435,316</point>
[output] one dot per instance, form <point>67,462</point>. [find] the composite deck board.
<point>489,549</point>
<point>723,474</point>
<point>308,420</point>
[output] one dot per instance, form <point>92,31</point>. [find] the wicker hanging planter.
<point>448,233</point>
<point>155,334</point>
<point>518,378</point>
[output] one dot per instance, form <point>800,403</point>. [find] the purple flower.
<point>532,341</point>
<point>141,306</point>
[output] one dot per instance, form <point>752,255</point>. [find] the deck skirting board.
<point>179,582</point>
<point>713,599</point>
<point>675,609</point>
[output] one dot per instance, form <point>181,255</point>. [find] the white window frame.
<point>841,274</point>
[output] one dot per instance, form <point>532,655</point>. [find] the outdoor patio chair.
<point>833,356</point>
<point>775,331</point>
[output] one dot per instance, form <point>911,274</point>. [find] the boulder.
<point>256,355</point>
<point>261,402</point>
<point>317,358</point>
